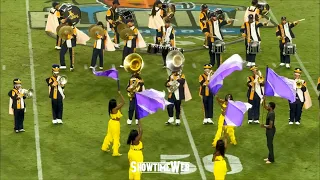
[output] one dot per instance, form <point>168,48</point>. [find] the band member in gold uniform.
<point>98,48</point>
<point>318,88</point>
<point>176,96</point>
<point>136,84</point>
<point>203,18</point>
<point>255,93</point>
<point>165,37</point>
<point>111,18</point>
<point>296,107</point>
<point>213,33</point>
<point>56,94</point>
<point>284,34</point>
<point>254,10</point>
<point>130,45</point>
<point>206,95</point>
<point>69,44</point>
<point>18,105</point>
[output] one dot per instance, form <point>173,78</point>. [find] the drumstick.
<point>301,20</point>
<point>234,19</point>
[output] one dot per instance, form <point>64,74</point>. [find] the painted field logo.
<point>185,20</point>
<point>172,167</point>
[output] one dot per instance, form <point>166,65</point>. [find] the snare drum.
<point>218,47</point>
<point>253,47</point>
<point>152,48</point>
<point>289,49</point>
<point>161,48</point>
<point>126,14</point>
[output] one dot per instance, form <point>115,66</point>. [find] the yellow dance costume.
<point>219,168</point>
<point>230,129</point>
<point>135,155</point>
<point>113,134</point>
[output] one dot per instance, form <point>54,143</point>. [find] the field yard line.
<point>34,99</point>
<point>299,60</point>
<point>193,145</point>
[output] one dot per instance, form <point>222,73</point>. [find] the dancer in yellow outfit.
<point>229,129</point>
<point>113,132</point>
<point>135,155</point>
<point>220,165</point>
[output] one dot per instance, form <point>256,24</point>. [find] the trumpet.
<point>62,80</point>
<point>299,83</point>
<point>27,92</point>
<point>260,78</point>
<point>210,74</point>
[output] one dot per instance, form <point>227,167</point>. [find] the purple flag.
<point>234,63</point>
<point>111,73</point>
<point>150,101</point>
<point>279,86</point>
<point>235,112</point>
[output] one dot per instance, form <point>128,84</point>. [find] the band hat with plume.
<point>204,6</point>
<point>253,68</point>
<point>212,14</point>
<point>54,4</point>
<point>207,66</point>
<point>17,81</point>
<point>283,18</point>
<point>297,70</point>
<point>115,2</point>
<point>55,68</point>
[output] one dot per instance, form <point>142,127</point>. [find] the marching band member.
<point>203,18</point>
<point>98,48</point>
<point>227,129</point>
<point>68,44</point>
<point>318,88</point>
<point>136,84</point>
<point>18,105</point>
<point>111,18</point>
<point>249,31</point>
<point>213,33</point>
<point>175,97</point>
<point>220,166</point>
<point>56,93</point>
<point>156,16</point>
<point>255,93</point>
<point>55,11</point>
<point>206,95</point>
<point>135,154</point>
<point>296,107</point>
<point>285,35</point>
<point>130,45</point>
<point>113,132</point>
<point>165,36</point>
<point>254,10</point>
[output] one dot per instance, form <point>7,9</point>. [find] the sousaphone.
<point>64,31</point>
<point>121,27</point>
<point>133,63</point>
<point>175,61</point>
<point>96,30</point>
<point>124,34</point>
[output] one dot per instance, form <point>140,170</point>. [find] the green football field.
<point>72,151</point>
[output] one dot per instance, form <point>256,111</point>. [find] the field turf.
<point>72,151</point>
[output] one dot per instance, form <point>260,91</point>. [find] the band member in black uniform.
<point>55,10</point>
<point>70,45</point>
<point>296,107</point>
<point>136,84</point>
<point>250,31</point>
<point>206,95</point>
<point>254,10</point>
<point>130,44</point>
<point>213,33</point>
<point>18,105</point>
<point>318,88</point>
<point>98,48</point>
<point>285,35</point>
<point>203,18</point>
<point>56,93</point>
<point>111,18</point>
<point>255,93</point>
<point>165,37</point>
<point>176,96</point>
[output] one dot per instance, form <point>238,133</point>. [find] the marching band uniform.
<point>55,11</point>
<point>130,44</point>
<point>98,49</point>
<point>285,35</point>
<point>318,88</point>
<point>203,18</point>
<point>206,95</point>
<point>111,18</point>
<point>175,97</point>
<point>254,94</point>
<point>18,105</point>
<point>254,10</point>
<point>213,33</point>
<point>250,32</point>
<point>68,44</point>
<point>56,93</point>
<point>296,107</point>
<point>156,16</point>
<point>165,36</point>
<point>132,96</point>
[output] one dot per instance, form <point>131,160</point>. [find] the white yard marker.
<point>85,66</point>
<point>274,65</point>
<point>305,71</point>
<point>194,65</point>
<point>3,67</point>
<point>193,145</point>
<point>34,99</point>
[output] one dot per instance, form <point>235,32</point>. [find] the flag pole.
<point>118,83</point>
<point>264,87</point>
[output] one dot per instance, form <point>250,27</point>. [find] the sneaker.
<point>117,46</point>
<point>170,121</point>
<point>266,159</point>
<point>268,162</point>
<point>177,122</point>
<point>129,122</point>
<point>91,67</point>
<point>205,121</point>
<point>250,121</point>
<point>290,122</point>
<point>59,121</point>
<point>287,65</point>
<point>22,130</point>
<point>281,64</point>
<point>137,121</point>
<point>101,68</point>
<point>249,64</point>
<point>16,131</point>
<point>209,121</point>
<point>205,46</point>
<point>297,123</point>
<point>54,121</point>
<point>63,67</point>
<point>121,66</point>
<point>257,121</point>
<point>164,67</point>
<point>57,47</point>
<point>253,64</point>
<point>71,69</point>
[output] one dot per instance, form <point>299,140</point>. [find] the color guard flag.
<point>111,73</point>
<point>234,63</point>
<point>150,101</point>
<point>235,112</point>
<point>279,86</point>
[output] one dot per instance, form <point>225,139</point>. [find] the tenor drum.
<point>71,13</point>
<point>218,47</point>
<point>152,48</point>
<point>289,49</point>
<point>253,47</point>
<point>126,14</point>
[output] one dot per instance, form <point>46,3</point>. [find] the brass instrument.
<point>27,92</point>
<point>95,30</point>
<point>299,83</point>
<point>124,34</point>
<point>64,31</point>
<point>175,61</point>
<point>260,78</point>
<point>133,63</point>
<point>210,74</point>
<point>169,10</point>
<point>62,80</point>
<point>174,85</point>
<point>121,27</point>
